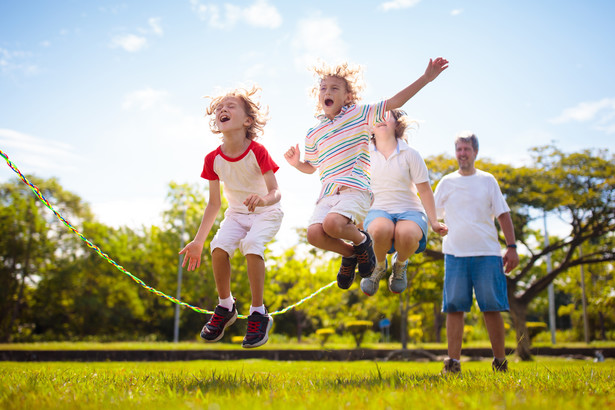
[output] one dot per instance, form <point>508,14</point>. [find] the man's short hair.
<point>467,137</point>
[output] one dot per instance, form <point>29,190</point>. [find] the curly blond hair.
<point>402,124</point>
<point>351,74</point>
<point>251,107</point>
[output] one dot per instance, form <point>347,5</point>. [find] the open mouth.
<point>224,118</point>
<point>328,102</point>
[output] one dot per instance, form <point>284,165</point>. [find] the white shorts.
<point>248,232</point>
<point>351,203</point>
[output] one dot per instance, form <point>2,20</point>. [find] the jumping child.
<point>338,147</point>
<point>253,216</point>
<point>397,220</point>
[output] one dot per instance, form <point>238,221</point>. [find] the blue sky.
<point>107,96</point>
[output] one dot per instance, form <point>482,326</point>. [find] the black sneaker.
<point>258,330</point>
<point>220,320</point>
<point>498,366</point>
<point>345,276</point>
<point>451,367</point>
<point>365,256</point>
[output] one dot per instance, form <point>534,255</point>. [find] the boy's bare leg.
<point>256,275</point>
<point>317,237</point>
<point>407,237</point>
<point>381,230</point>
<point>338,226</point>
<point>497,334</point>
<point>222,272</point>
<point>454,334</point>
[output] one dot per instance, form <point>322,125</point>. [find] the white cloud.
<point>17,61</point>
<point>601,114</point>
<point>129,42</point>
<point>259,14</point>
<point>143,99</point>
<point>37,154</point>
<point>456,12</point>
<point>318,38</point>
<point>154,23</point>
<point>398,4</point>
<point>262,14</point>
<point>132,212</point>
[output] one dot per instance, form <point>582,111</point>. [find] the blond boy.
<point>338,146</point>
<point>253,216</point>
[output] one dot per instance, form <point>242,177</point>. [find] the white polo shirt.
<point>394,179</point>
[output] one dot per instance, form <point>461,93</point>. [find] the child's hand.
<point>440,228</point>
<point>192,255</point>
<point>435,67</point>
<point>293,156</point>
<point>252,201</point>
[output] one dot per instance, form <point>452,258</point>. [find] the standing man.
<point>469,199</point>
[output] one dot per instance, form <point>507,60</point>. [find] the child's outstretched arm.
<point>429,204</point>
<point>433,70</point>
<point>293,158</point>
<point>192,252</point>
<point>273,193</point>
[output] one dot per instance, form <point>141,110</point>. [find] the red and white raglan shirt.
<point>241,176</point>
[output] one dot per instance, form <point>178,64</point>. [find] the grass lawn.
<point>258,384</point>
<point>273,344</point>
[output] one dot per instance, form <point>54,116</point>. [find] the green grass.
<point>258,384</point>
<point>273,344</point>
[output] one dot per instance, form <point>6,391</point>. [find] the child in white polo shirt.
<point>338,147</point>
<point>397,220</point>
<point>253,216</point>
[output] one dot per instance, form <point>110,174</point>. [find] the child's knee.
<point>315,234</point>
<point>219,253</point>
<point>334,225</point>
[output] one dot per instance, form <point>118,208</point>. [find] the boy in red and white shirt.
<point>253,216</point>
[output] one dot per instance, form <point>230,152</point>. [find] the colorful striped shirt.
<point>340,148</point>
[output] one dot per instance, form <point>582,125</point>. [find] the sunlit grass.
<point>273,344</point>
<point>256,384</point>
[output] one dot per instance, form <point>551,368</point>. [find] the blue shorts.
<point>415,216</point>
<point>483,273</point>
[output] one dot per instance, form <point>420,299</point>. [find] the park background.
<point>102,104</point>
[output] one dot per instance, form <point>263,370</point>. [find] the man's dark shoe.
<point>365,256</point>
<point>220,320</point>
<point>345,276</point>
<point>498,366</point>
<point>258,330</point>
<point>451,367</point>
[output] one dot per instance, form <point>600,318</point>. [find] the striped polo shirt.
<point>339,148</point>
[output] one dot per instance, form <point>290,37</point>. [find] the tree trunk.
<point>299,316</point>
<point>437,321</point>
<point>403,320</point>
<point>518,312</point>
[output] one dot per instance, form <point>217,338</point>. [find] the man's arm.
<point>511,258</point>
<point>434,68</point>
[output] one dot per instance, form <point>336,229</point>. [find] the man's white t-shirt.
<point>469,205</point>
<point>394,179</point>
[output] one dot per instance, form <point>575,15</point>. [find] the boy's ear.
<point>348,98</point>
<point>248,121</point>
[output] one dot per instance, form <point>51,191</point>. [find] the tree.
<point>30,243</point>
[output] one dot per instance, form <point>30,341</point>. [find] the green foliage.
<point>52,287</point>
<point>535,328</point>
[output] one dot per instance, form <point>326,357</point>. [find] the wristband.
<point>512,246</point>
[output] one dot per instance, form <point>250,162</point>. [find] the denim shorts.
<point>484,274</point>
<point>415,216</point>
